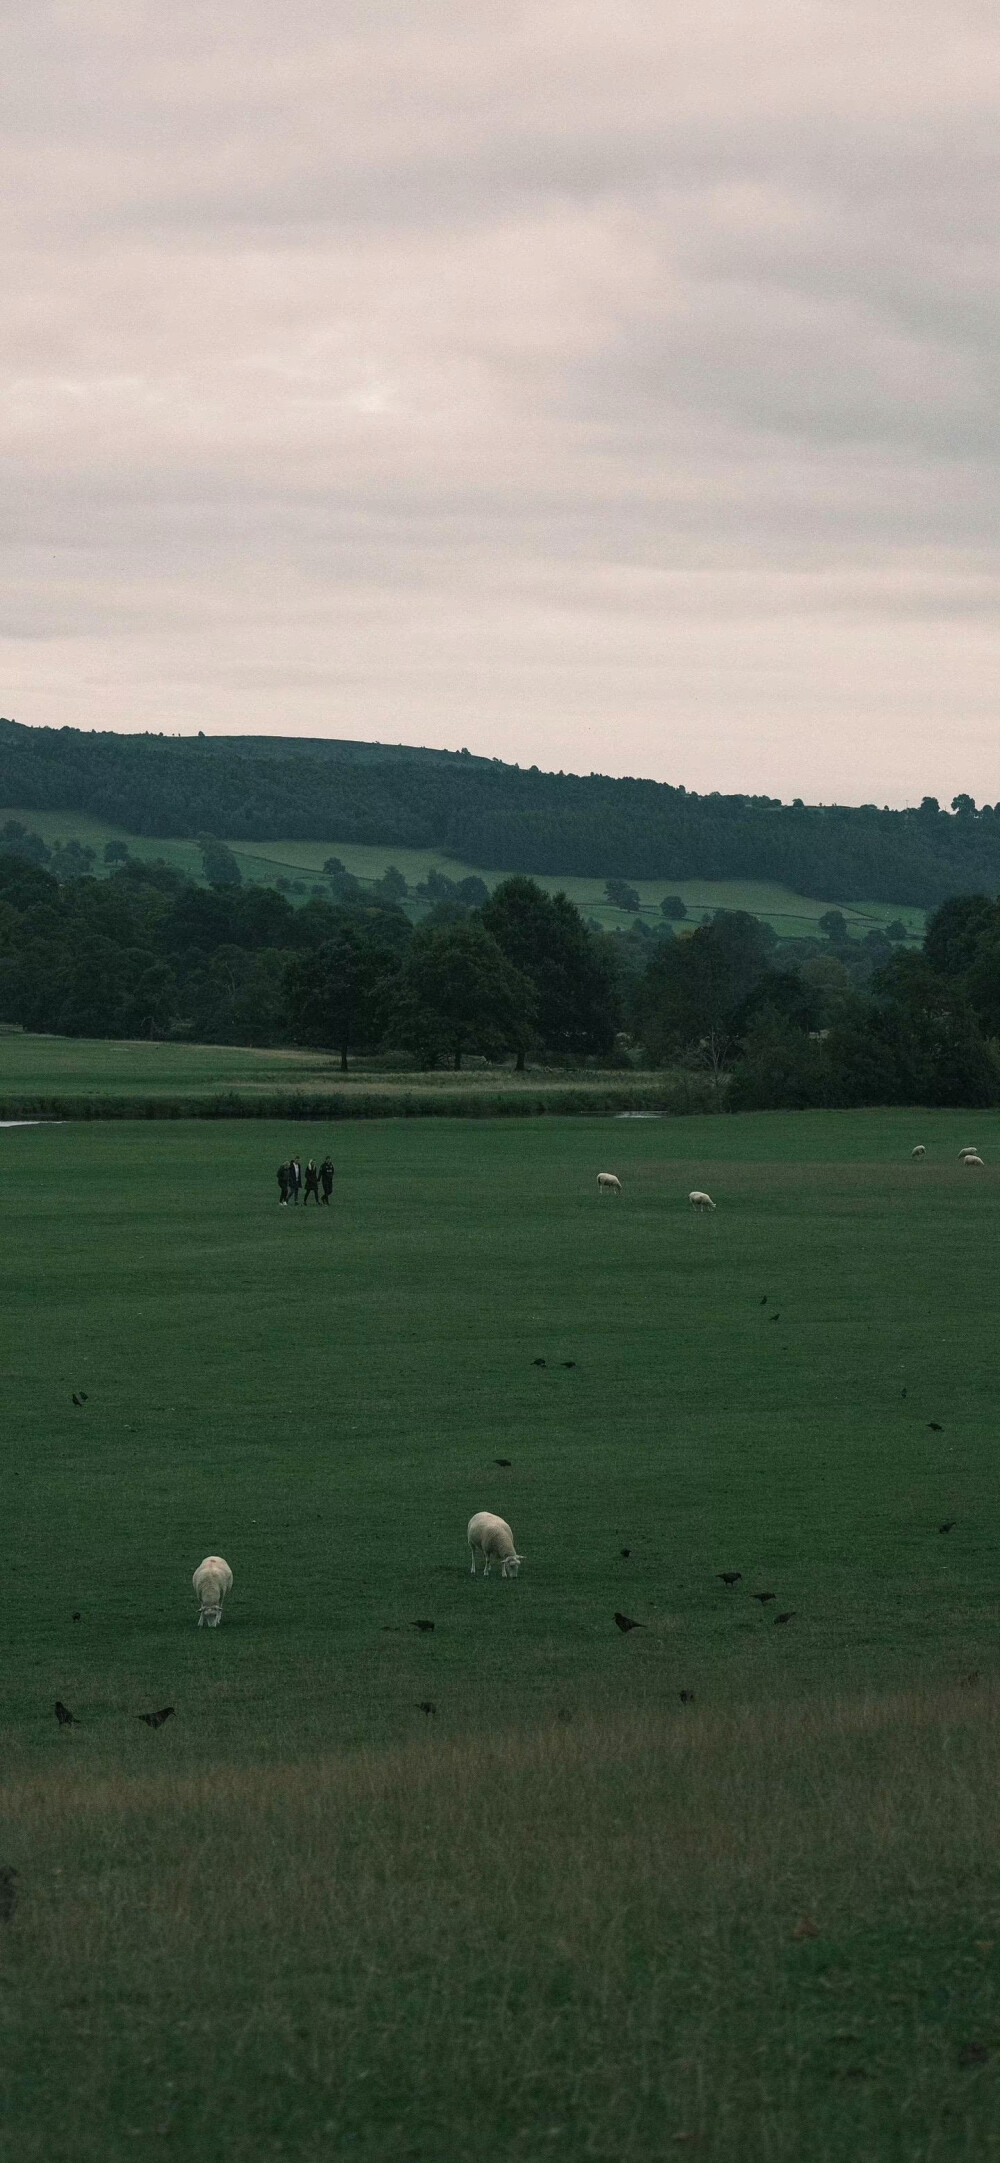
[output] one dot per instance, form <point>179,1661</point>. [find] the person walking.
<point>283,1186</point>
<point>326,1180</point>
<point>312,1183</point>
<point>294,1181</point>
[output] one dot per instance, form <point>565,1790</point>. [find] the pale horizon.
<point>601,391</point>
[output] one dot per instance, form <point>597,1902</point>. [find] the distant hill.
<point>503,818</point>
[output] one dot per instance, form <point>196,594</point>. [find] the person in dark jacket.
<point>283,1186</point>
<point>294,1181</point>
<point>326,1179</point>
<point>312,1183</point>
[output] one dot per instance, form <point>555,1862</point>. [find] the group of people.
<point>318,1182</point>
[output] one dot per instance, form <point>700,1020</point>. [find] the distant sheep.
<point>698,1200</point>
<point>608,1183</point>
<point>973,1159</point>
<point>212,1580</point>
<point>919,1151</point>
<point>495,1542</point>
<point>967,1153</point>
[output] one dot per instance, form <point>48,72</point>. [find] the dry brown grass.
<point>584,1941</point>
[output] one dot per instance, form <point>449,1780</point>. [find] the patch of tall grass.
<point>754,1933</point>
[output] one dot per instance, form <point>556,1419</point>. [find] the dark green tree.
<point>673,908</point>
<point>458,993</point>
<point>621,895</point>
<point>834,924</point>
<point>332,992</point>
<point>218,862</point>
<point>544,937</point>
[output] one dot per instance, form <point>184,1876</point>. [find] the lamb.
<point>698,1200</point>
<point>495,1541</point>
<point>608,1183</point>
<point>212,1580</point>
<point>919,1151</point>
<point>973,1159</point>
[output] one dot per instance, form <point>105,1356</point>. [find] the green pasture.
<point>793,916</point>
<point>564,1914</point>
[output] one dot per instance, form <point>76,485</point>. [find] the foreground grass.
<point>559,1914</point>
<point>753,1933</point>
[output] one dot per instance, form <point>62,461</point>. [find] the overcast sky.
<point>595,385</point>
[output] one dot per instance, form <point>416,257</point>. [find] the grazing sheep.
<point>608,1183</point>
<point>963,1153</point>
<point>495,1541</point>
<point>212,1580</point>
<point>973,1159</point>
<point>698,1200</point>
<point>919,1151</point>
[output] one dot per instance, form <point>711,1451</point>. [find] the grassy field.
<point>38,1073</point>
<point>793,916</point>
<point>564,1914</point>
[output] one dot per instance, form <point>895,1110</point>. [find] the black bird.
<point>423,1624</point>
<point>77,1400</point>
<point>774,1317</point>
<point>625,1623</point>
<point>729,1577</point>
<point>686,1697</point>
<point>425,1706</point>
<point>83,1397</point>
<point>902,1392</point>
<point>504,1461</point>
<point>624,1553</point>
<point>764,1300</point>
<point>935,1426</point>
<point>569,1363</point>
<point>8,1892</point>
<point>538,1362</point>
<point>763,1597</point>
<point>64,1716</point>
<point>76,1617</point>
<point>949,1525</point>
<point>788,1616</point>
<point>156,1719</point>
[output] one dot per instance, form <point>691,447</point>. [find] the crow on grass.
<point>425,1706</point>
<point>686,1697</point>
<point>624,1553</point>
<point>935,1426</point>
<point>763,1597</point>
<point>64,1716</point>
<point>423,1624</point>
<point>569,1363</point>
<point>156,1719</point>
<point>949,1525</point>
<point>626,1623</point>
<point>788,1616</point>
<point>77,1616</point>
<point>729,1577</point>
<point>504,1462</point>
<point>774,1318</point>
<point>538,1362</point>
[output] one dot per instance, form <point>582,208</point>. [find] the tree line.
<point>146,952</point>
<point>505,817</point>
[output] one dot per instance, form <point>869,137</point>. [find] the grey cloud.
<point>518,382</point>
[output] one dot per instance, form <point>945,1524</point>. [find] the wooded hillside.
<point>504,818</point>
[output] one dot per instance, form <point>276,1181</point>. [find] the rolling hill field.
<point>380,1891</point>
<point>793,916</point>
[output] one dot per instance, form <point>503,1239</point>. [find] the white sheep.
<point>698,1200</point>
<point>608,1183</point>
<point>973,1159</point>
<point>967,1153</point>
<point>212,1580</point>
<point>919,1151</point>
<point>495,1540</point>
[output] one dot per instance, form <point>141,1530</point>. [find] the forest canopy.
<point>503,818</point>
